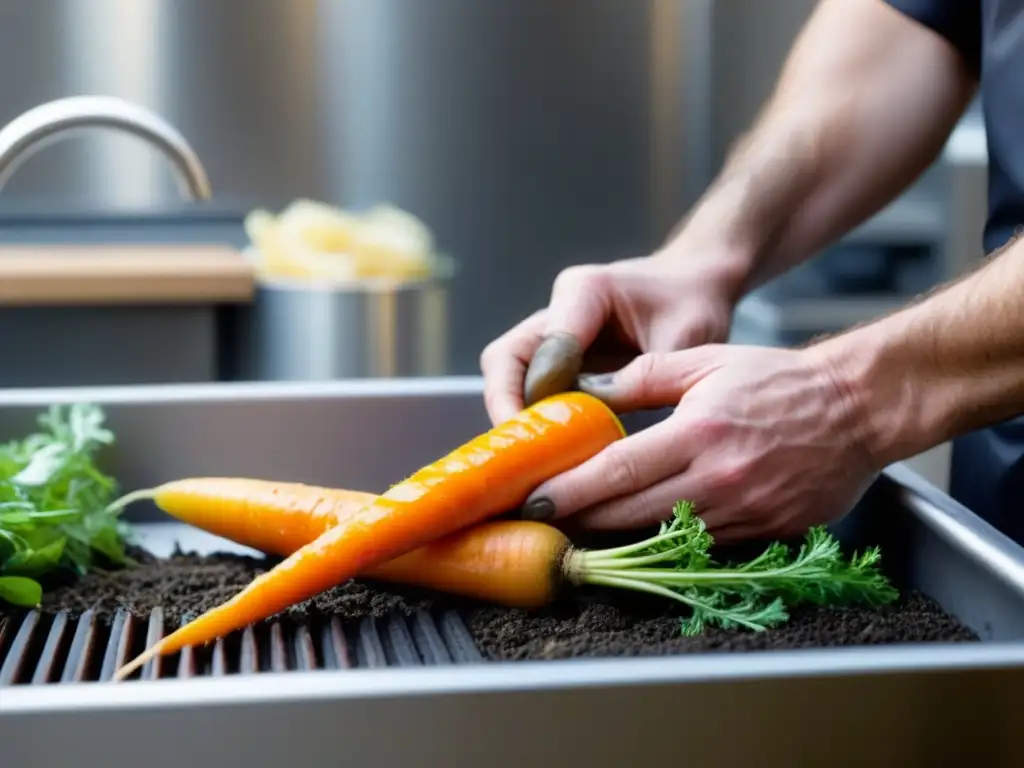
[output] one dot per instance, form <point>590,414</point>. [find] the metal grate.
<point>36,649</point>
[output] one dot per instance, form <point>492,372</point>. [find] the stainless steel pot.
<point>297,331</point>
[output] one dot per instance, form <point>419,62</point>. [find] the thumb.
<point>578,310</point>
<point>654,380</point>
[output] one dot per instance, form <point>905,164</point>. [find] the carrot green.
<point>677,564</point>
<point>54,502</point>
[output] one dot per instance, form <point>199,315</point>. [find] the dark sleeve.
<point>959,21</point>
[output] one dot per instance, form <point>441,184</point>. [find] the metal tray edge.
<point>973,537</point>
<point>512,677</point>
<point>434,386</point>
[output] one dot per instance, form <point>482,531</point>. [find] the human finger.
<point>649,507</point>
<point>553,368</point>
<point>735,533</point>
<point>654,380</point>
<point>580,304</point>
<point>655,506</point>
<point>579,308</point>
<point>625,467</point>
<point>504,362</point>
<point>558,361</point>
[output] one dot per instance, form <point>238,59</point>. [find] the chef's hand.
<point>602,316</point>
<point>762,440</point>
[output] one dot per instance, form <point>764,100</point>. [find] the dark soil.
<point>583,625</point>
<point>613,628</point>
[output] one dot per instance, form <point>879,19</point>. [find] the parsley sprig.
<point>54,503</point>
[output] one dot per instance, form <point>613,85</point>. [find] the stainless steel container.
<point>297,331</point>
<point>412,694</point>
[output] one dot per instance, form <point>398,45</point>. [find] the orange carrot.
<point>492,561</point>
<point>524,564</point>
<point>273,517</point>
<point>486,476</point>
<point>516,563</point>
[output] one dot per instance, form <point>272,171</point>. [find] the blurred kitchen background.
<point>527,134</point>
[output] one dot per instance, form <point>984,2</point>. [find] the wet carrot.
<point>273,517</point>
<point>486,476</point>
<point>516,563</point>
<point>492,561</point>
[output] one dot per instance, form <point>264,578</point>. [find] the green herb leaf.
<point>44,465</point>
<point>38,560</point>
<point>20,591</point>
<point>54,498</point>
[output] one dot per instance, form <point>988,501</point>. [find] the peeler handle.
<point>554,368</point>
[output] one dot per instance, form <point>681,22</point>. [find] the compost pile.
<point>583,624</point>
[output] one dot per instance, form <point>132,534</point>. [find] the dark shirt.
<point>987,474</point>
<point>989,34</point>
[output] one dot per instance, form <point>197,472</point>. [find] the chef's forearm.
<point>950,364</point>
<point>863,105</point>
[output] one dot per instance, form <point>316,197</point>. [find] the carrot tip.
<point>138,662</point>
<point>130,498</point>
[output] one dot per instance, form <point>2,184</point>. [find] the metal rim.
<point>515,676</point>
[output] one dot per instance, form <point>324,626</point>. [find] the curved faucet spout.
<point>56,120</point>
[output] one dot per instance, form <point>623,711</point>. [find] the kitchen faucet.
<point>56,120</point>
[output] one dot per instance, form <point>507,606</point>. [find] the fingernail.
<point>597,384</point>
<point>541,508</point>
<point>554,367</point>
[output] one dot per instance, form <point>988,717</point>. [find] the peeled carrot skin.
<point>488,475</point>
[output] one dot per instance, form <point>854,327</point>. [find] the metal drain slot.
<point>51,657</point>
<point>369,648</point>
<point>305,653</point>
<point>83,645</point>
<point>117,646</point>
<point>429,641</point>
<point>248,653</point>
<point>278,652</point>
<point>218,660</point>
<point>403,649</point>
<point>457,638</point>
<point>19,654</point>
<point>40,649</point>
<point>187,666</point>
<point>151,670</point>
<point>336,654</point>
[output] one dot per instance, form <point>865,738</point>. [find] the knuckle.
<point>699,330</point>
<point>488,355</point>
<point>638,376</point>
<point>645,366</point>
<point>496,354</point>
<point>517,339</point>
<point>578,277</point>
